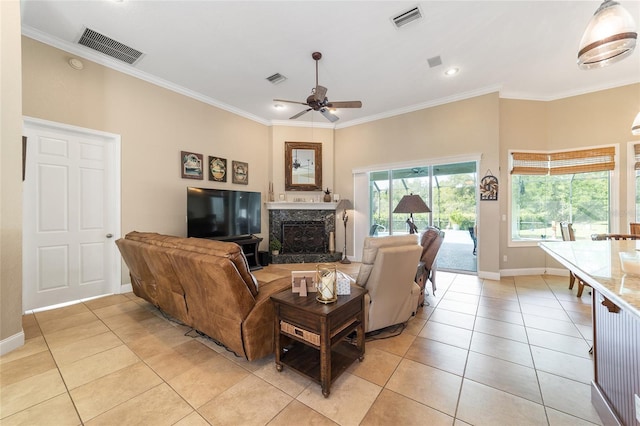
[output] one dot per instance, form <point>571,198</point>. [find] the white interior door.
<point>70,214</point>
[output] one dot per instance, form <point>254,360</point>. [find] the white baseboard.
<point>489,275</point>
<point>126,288</point>
<point>561,272</point>
<point>11,343</point>
<point>523,271</point>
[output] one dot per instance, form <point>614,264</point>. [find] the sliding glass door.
<point>450,192</point>
<point>454,194</point>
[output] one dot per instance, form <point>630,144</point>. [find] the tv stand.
<point>249,245</point>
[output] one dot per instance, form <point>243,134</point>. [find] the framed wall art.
<point>240,172</point>
<point>302,166</point>
<point>217,169</point>
<point>489,187</point>
<point>191,164</point>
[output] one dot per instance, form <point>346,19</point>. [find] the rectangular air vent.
<point>103,44</point>
<point>435,61</point>
<point>407,17</point>
<point>276,78</point>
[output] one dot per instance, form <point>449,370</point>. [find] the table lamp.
<point>345,205</point>
<point>411,204</point>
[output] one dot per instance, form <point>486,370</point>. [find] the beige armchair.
<point>388,271</point>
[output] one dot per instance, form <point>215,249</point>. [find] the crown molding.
<point>525,96</point>
<point>108,62</point>
<point>418,107</point>
<point>310,124</point>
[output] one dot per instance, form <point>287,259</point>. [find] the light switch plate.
<point>637,398</point>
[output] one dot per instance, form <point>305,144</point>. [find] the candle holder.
<point>326,282</point>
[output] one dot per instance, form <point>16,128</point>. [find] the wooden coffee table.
<point>310,336</point>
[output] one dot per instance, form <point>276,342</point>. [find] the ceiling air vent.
<point>407,17</point>
<point>276,78</point>
<point>435,61</point>
<point>109,46</point>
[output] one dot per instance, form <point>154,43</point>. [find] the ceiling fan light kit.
<point>318,101</point>
<point>610,37</point>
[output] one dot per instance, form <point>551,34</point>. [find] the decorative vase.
<point>326,282</point>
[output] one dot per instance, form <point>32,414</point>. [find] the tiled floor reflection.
<point>483,352</point>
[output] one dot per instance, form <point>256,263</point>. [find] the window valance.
<point>566,162</point>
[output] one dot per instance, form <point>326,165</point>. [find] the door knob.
<point>109,235</point>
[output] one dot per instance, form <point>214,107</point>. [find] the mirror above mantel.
<point>303,166</point>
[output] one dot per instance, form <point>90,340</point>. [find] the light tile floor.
<point>508,352</point>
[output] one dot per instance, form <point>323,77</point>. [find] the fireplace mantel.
<point>285,205</point>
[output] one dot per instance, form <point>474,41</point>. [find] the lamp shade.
<point>635,127</point>
<point>411,204</point>
<point>610,36</point>
<point>344,204</point>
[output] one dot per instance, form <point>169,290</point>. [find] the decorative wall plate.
<point>191,165</point>
<point>240,172</point>
<point>489,188</point>
<point>217,169</point>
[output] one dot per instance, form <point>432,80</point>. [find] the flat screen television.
<point>222,214</point>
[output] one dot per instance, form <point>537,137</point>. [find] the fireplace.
<point>304,236</point>
<point>304,230</point>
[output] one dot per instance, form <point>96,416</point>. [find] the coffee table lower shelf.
<point>305,359</point>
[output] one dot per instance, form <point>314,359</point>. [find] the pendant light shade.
<point>610,36</point>
<point>635,127</point>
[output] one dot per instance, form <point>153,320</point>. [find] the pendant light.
<point>635,127</point>
<point>610,36</point>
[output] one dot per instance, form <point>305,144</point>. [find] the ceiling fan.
<point>318,101</point>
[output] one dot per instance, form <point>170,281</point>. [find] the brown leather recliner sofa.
<point>207,285</point>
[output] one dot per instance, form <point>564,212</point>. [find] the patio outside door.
<point>70,215</point>
<point>454,195</point>
<point>450,191</point>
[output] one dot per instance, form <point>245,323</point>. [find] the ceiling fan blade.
<point>345,104</point>
<point>300,113</point>
<point>327,114</point>
<point>291,102</point>
<point>320,93</point>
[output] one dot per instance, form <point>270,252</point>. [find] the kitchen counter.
<point>615,390</point>
<point>598,263</point>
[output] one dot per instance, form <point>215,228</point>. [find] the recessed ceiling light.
<point>452,71</point>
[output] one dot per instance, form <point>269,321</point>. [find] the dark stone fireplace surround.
<point>303,245</point>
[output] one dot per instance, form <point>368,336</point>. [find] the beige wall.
<point>460,128</point>
<point>282,134</point>
<point>599,118</point>
<point>155,125</point>
<point>10,178</point>
<point>523,125</point>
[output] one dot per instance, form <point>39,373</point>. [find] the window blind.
<point>636,150</point>
<point>566,162</point>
